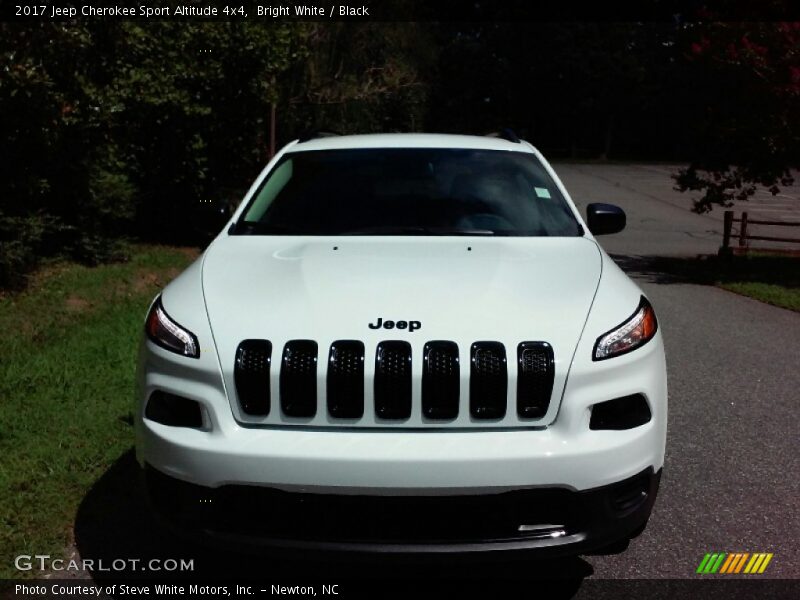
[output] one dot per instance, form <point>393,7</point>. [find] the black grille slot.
<point>299,378</point>
<point>393,380</point>
<point>488,381</point>
<point>440,380</point>
<point>251,375</point>
<point>346,379</point>
<point>536,369</point>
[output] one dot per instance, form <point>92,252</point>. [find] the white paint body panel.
<point>565,291</point>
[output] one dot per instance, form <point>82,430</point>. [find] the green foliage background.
<point>116,128</point>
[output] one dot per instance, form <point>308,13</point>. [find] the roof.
<point>409,140</point>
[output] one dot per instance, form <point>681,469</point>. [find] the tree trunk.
<point>272,127</point>
<point>609,137</point>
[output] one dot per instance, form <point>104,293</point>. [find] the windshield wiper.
<point>415,230</point>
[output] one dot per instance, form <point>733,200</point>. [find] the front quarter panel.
<point>198,379</point>
<point>641,371</point>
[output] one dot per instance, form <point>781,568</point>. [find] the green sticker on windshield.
<point>542,192</point>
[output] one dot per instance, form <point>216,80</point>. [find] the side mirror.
<point>605,218</point>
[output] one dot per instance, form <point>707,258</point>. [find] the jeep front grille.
<point>535,374</point>
<point>251,375</point>
<point>440,380</point>
<point>298,384</point>
<point>488,382</point>
<point>393,380</point>
<point>346,379</point>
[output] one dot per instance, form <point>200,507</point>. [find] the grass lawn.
<point>773,279</point>
<point>778,295</point>
<point>67,363</point>
<point>770,278</point>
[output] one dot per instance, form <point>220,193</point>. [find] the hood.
<point>509,289</point>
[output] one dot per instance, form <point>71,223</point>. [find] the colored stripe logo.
<point>734,562</point>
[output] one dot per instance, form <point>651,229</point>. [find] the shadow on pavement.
<point>113,522</point>
<point>710,269</point>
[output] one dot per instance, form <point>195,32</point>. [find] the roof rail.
<point>313,135</point>
<point>505,134</point>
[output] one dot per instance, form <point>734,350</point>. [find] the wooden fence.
<point>744,233</point>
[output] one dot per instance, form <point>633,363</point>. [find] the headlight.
<point>165,332</point>
<point>633,333</point>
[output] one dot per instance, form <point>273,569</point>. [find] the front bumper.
<point>551,521</point>
<point>407,471</point>
<point>400,462</point>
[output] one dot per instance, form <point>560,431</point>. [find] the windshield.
<point>408,191</point>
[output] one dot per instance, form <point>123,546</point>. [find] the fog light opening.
<point>621,413</point>
<point>176,411</point>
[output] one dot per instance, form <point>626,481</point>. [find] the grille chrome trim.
<point>488,381</point>
<point>535,375</point>
<point>251,374</point>
<point>393,380</point>
<point>298,380</point>
<point>346,379</point>
<point>440,380</point>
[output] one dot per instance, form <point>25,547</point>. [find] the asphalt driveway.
<point>733,453</point>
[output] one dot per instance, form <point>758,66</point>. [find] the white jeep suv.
<point>405,343</point>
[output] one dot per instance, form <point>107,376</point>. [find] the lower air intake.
<point>176,411</point>
<point>621,413</point>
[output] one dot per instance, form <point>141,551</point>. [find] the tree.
<point>589,89</point>
<point>360,78</point>
<point>61,189</point>
<point>192,104</point>
<point>112,128</point>
<point>746,81</point>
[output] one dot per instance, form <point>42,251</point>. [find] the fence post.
<point>743,231</point>
<point>726,232</point>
